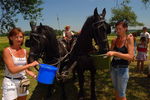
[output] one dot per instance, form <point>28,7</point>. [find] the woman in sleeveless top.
<point>15,66</point>
<point>123,52</point>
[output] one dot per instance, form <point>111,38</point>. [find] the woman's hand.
<point>34,76</point>
<point>110,53</point>
<point>33,63</point>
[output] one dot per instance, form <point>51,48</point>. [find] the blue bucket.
<point>46,74</point>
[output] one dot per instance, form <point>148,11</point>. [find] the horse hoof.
<point>81,98</point>
<point>93,99</point>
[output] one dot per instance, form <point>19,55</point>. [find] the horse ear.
<point>95,12</point>
<point>41,24</point>
<point>33,26</point>
<point>104,12</point>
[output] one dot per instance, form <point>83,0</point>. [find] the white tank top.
<point>18,62</point>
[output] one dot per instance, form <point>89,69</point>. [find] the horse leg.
<point>63,93</point>
<point>93,93</point>
<point>81,84</point>
<point>42,91</point>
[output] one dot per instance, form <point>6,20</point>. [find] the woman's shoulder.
<point>130,37</point>
<point>6,49</point>
<point>24,50</point>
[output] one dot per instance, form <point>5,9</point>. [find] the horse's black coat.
<point>95,28</point>
<point>44,45</point>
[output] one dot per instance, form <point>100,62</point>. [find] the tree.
<point>9,9</point>
<point>124,13</point>
<point>146,2</point>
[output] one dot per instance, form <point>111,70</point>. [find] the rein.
<point>62,58</point>
<point>63,75</point>
<point>41,50</point>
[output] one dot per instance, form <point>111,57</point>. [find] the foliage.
<point>124,13</point>
<point>146,3</point>
<point>58,32</point>
<point>9,9</point>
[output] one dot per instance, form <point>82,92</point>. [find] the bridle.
<point>100,23</point>
<point>96,26</point>
<point>40,53</point>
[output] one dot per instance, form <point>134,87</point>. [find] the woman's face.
<point>144,30</point>
<point>17,39</point>
<point>120,30</point>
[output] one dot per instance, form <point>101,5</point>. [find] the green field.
<point>138,86</point>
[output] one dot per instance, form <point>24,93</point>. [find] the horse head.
<point>100,29</point>
<point>36,44</point>
<point>43,44</point>
<point>94,28</point>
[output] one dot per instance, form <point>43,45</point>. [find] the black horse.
<point>43,44</point>
<point>95,28</point>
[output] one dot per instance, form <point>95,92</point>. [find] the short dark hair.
<point>143,39</point>
<point>14,32</point>
<point>144,28</point>
<point>123,23</point>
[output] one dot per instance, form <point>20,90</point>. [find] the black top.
<point>118,61</point>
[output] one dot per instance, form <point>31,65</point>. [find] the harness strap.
<point>18,78</point>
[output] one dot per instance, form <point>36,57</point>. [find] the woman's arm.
<point>130,46</point>
<point>10,64</point>
<point>28,70</point>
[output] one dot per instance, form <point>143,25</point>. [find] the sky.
<point>75,13</point>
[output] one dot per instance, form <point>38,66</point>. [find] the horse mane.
<point>46,28</point>
<point>84,41</point>
<point>87,25</point>
<point>85,34</point>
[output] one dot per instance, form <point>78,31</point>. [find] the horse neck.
<point>83,45</point>
<point>85,39</point>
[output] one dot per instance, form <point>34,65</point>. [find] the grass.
<point>138,85</point>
